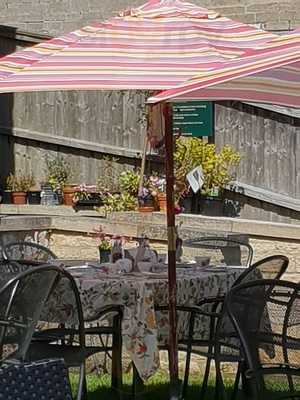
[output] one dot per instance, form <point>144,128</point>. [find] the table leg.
<point>137,382</point>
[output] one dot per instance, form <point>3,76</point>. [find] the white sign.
<point>196,178</point>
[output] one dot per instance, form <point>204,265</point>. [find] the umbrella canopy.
<point>268,74</point>
<point>156,46</point>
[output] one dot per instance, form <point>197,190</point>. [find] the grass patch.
<point>157,388</point>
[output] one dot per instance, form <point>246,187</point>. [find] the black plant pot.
<point>190,203</point>
<point>146,201</point>
<point>34,197</point>
<point>60,196</point>
<point>6,197</point>
<point>212,206</point>
<point>94,200</point>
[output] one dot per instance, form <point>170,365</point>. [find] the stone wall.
<point>77,245</point>
<point>57,16</point>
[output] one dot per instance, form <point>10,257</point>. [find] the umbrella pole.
<point>173,347</point>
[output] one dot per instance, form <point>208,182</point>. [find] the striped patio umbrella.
<point>268,74</point>
<point>156,46</point>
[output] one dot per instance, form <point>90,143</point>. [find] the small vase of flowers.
<point>104,244</point>
<point>110,246</point>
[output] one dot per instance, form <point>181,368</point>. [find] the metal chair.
<point>60,334</point>
<point>21,301</point>
<point>209,313</point>
<point>22,298</point>
<point>57,345</point>
<point>222,250</point>
<point>266,316</point>
<point>28,251</point>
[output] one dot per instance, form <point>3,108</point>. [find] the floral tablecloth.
<point>138,293</point>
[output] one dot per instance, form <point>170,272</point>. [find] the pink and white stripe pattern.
<point>156,46</point>
<point>268,74</point>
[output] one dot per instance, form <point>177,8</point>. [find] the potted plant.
<point>104,249</point>
<point>157,185</point>
<point>86,195</point>
<point>110,246</point>
<point>218,171</point>
<point>58,176</point>
<point>145,200</point>
<point>19,186</point>
<point>129,182</point>
<point>217,167</point>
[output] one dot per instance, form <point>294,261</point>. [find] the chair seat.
<point>74,356</point>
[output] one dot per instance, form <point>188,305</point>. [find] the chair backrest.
<point>272,267</point>
<point>23,300</point>
<point>221,250</point>
<point>29,251</point>
<point>266,315</point>
<point>9,269</point>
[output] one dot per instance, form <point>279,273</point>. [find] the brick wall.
<point>57,16</point>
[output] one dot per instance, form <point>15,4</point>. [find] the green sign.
<point>193,118</point>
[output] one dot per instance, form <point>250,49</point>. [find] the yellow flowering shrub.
<point>218,167</point>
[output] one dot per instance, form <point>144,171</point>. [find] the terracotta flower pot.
<point>162,201</point>
<point>146,209</point>
<point>19,197</point>
<point>68,193</point>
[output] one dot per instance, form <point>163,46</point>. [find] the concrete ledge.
<point>31,209</point>
<point>135,224</point>
<point>200,224</point>
<point>19,223</point>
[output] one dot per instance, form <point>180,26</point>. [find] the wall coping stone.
<point>135,224</point>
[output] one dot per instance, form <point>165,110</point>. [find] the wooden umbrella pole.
<point>173,353</point>
<point>143,164</point>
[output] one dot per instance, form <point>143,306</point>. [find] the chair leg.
<point>116,370</point>
<point>219,387</point>
<point>205,379</point>
<point>186,372</point>
<point>82,387</point>
<point>188,356</point>
<point>236,382</point>
<point>136,382</point>
<point>249,386</point>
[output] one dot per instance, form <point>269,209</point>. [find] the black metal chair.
<point>221,250</point>
<point>28,251</point>
<point>266,316</point>
<point>209,314</point>
<point>59,342</point>
<point>21,301</point>
<point>22,298</point>
<point>60,334</point>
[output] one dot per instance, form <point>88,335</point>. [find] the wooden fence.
<point>86,125</point>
